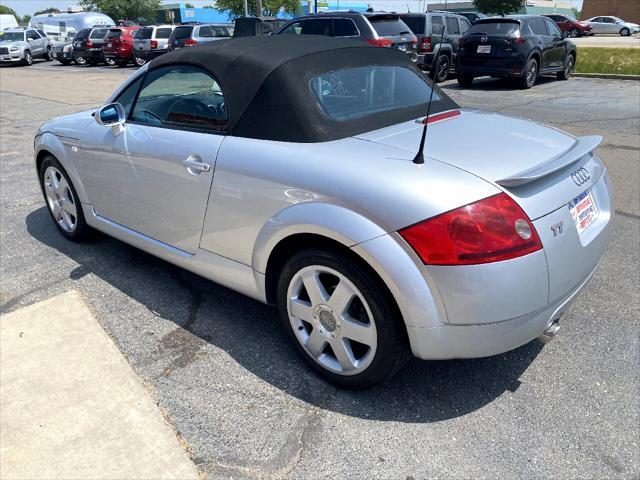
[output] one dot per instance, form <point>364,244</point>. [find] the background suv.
<point>87,45</point>
<point>118,45</point>
<point>570,27</point>
<point>519,46</point>
<point>438,37</point>
<point>192,35</point>
<point>381,29</point>
<point>149,42</point>
<point>23,45</point>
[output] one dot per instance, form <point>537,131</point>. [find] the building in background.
<point>628,10</point>
<point>529,7</point>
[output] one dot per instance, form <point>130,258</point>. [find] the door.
<point>559,44</point>
<point>453,33</point>
<point>154,177</point>
<point>596,25</point>
<point>36,42</point>
<point>544,41</point>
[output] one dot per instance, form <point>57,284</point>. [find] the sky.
<point>27,7</point>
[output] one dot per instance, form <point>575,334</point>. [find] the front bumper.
<point>11,58</point>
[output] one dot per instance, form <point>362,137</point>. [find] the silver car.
<point>291,170</point>
<point>22,45</point>
<point>612,25</point>
<point>151,42</point>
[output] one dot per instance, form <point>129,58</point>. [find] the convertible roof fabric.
<point>265,82</point>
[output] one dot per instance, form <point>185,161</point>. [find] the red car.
<point>570,27</point>
<point>118,45</point>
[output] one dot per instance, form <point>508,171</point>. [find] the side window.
<point>163,33</point>
<point>344,27</point>
<point>537,27</point>
<point>464,25</point>
<point>317,26</point>
<point>205,31</point>
<point>181,97</point>
<point>294,28</point>
<point>127,97</point>
<point>42,34</point>
<point>452,26</point>
<point>32,35</point>
<point>436,25</point>
<point>554,31</point>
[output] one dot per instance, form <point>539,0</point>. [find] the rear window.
<point>389,26</point>
<point>437,27</point>
<point>416,24</point>
<point>344,27</point>
<point>144,33</point>
<point>357,92</point>
<point>183,32</point>
<point>208,31</point>
<point>113,34</point>
<point>494,28</point>
<point>98,33</point>
<point>163,33</point>
<point>83,33</point>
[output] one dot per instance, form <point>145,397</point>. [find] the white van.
<point>8,21</point>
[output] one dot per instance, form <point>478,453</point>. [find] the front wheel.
<point>569,65</point>
<point>625,32</point>
<point>109,61</point>
<point>574,32</point>
<point>49,55</point>
<point>340,320</point>
<point>440,70</point>
<point>62,200</point>
<point>530,74</point>
<point>80,60</point>
<point>464,80</point>
<point>28,58</point>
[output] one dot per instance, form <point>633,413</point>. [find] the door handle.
<point>195,165</point>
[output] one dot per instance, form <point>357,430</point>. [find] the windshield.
<point>113,34</point>
<point>494,28</point>
<point>183,32</point>
<point>356,92</point>
<point>12,36</point>
<point>389,26</point>
<point>144,33</point>
<point>98,33</point>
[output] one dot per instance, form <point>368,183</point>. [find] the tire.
<point>49,56</point>
<point>110,62</point>
<point>384,348</point>
<point>464,80</point>
<point>625,32</point>
<point>28,58</point>
<point>80,60</point>
<point>139,61</point>
<point>440,70</point>
<point>574,32</point>
<point>62,200</point>
<point>65,62</point>
<point>530,74</point>
<point>569,65</point>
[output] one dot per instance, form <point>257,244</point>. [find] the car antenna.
<point>419,158</point>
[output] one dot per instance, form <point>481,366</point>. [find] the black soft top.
<point>265,82</point>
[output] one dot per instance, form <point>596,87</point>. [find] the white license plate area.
<point>583,210</point>
<point>484,48</point>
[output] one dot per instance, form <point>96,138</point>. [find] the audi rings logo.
<point>581,176</point>
<point>484,38</point>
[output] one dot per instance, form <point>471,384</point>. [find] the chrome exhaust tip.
<point>550,332</point>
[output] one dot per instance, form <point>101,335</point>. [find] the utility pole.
<point>246,9</point>
<point>259,8</point>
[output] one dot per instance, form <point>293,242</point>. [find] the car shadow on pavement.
<point>250,332</point>
<point>497,84</point>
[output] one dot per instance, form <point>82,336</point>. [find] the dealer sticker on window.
<point>583,210</point>
<point>484,48</point>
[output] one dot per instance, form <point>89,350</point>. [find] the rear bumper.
<point>512,66</point>
<point>92,54</point>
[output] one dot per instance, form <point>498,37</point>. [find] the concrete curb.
<point>607,76</point>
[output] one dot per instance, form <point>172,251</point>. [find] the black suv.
<point>87,45</point>
<point>381,29</point>
<point>521,47</point>
<point>438,36</point>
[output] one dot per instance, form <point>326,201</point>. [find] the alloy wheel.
<point>531,73</point>
<point>570,66</point>
<point>60,199</point>
<point>443,69</point>
<point>28,59</point>
<point>574,33</point>
<point>332,320</point>
<point>110,61</point>
<point>81,60</point>
<point>139,61</point>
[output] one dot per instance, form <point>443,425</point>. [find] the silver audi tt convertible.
<point>291,170</point>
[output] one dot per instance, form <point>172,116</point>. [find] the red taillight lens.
<point>490,230</point>
<point>518,40</point>
<point>89,44</point>
<point>425,44</point>
<point>380,42</point>
<point>190,42</point>
<point>154,44</point>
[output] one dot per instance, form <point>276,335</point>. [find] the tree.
<point>8,11</point>
<point>498,7</point>
<point>189,5</point>
<point>124,9</point>
<point>235,8</point>
<point>47,10</point>
<point>25,19</point>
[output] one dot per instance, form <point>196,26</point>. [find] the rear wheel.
<point>530,74</point>
<point>464,80</point>
<point>625,32</point>
<point>110,61</point>
<point>569,65</point>
<point>80,60</point>
<point>339,319</point>
<point>574,32</point>
<point>139,61</point>
<point>28,59</point>
<point>440,70</point>
<point>49,55</point>
<point>62,200</point>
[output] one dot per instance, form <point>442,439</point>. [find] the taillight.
<point>190,42</point>
<point>154,44</point>
<point>519,40</point>
<point>380,42</point>
<point>489,230</point>
<point>425,44</point>
<point>89,44</point>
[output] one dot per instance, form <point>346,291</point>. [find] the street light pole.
<point>246,9</point>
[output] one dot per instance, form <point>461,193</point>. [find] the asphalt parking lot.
<point>220,367</point>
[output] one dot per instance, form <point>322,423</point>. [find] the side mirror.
<point>30,40</point>
<point>112,115</point>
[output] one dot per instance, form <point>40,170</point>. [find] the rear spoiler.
<point>579,149</point>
